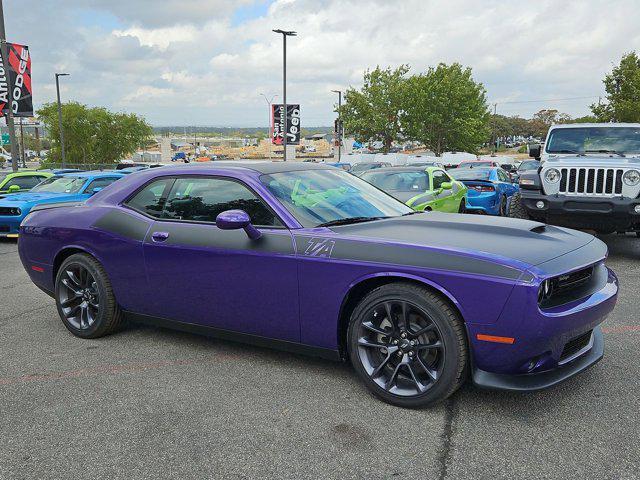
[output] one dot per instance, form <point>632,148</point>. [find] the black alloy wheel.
<point>84,297</point>
<point>408,345</point>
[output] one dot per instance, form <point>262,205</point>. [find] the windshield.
<point>417,181</point>
<point>315,197</point>
<point>60,185</point>
<point>470,174</point>
<point>594,140</point>
<point>528,165</point>
<point>2,177</point>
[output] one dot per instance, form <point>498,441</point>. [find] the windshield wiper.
<point>347,221</point>
<point>410,213</point>
<point>615,152</point>
<point>567,151</point>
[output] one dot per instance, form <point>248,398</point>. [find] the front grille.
<point>574,345</point>
<point>606,182</point>
<point>563,284</point>
<point>4,228</point>
<point>568,287</point>
<point>9,211</point>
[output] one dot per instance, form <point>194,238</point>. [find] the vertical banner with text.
<point>293,124</point>
<point>17,76</point>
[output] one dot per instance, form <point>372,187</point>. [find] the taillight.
<point>483,188</point>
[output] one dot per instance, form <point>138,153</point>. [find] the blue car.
<point>67,187</point>
<point>490,189</point>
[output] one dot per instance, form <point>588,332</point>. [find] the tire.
<point>84,297</point>
<point>463,206</point>
<point>516,210</point>
<point>437,362</point>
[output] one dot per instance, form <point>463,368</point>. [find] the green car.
<point>14,182</point>
<point>422,188</point>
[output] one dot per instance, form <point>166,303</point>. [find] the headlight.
<point>545,291</point>
<point>552,175</point>
<point>631,178</point>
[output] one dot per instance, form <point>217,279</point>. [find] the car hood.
<point>404,196</point>
<point>593,160</point>
<point>35,197</point>
<point>524,241</point>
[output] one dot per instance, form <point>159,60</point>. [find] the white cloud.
<point>194,61</point>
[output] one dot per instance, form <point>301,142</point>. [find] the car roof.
<point>417,168</point>
<point>93,173</point>
<point>591,125</point>
<point>260,166</point>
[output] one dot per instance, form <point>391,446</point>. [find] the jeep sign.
<point>293,124</point>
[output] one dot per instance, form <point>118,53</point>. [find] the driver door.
<point>200,274</point>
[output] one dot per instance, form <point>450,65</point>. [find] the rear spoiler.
<point>486,182</point>
<point>47,206</point>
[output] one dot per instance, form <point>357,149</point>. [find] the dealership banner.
<point>17,76</point>
<point>293,124</point>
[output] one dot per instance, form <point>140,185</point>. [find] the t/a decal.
<point>320,247</point>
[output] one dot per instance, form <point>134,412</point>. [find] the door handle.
<point>159,236</point>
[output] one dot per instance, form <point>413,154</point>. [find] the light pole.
<point>285,34</point>
<point>10,125</point>
<point>269,132</point>
<point>339,132</point>
<point>64,158</point>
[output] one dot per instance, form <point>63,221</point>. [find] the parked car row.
<point>50,188</point>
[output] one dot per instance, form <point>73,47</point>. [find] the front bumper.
<point>539,381</point>
<point>540,354</point>
<point>605,213</point>
<point>9,226</point>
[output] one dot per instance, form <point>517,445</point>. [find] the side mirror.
<point>14,189</point>
<point>534,151</point>
<point>95,190</point>
<point>235,220</point>
<point>446,186</point>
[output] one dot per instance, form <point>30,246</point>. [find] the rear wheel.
<point>516,210</point>
<point>85,299</point>
<point>503,207</point>
<point>408,345</point>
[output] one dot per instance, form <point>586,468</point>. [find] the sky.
<point>206,62</point>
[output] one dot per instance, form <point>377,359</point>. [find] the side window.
<point>202,199</point>
<point>100,183</point>
<point>25,183</point>
<point>439,177</point>
<point>150,200</point>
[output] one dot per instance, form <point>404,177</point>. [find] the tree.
<point>541,121</point>
<point>93,135</point>
<point>446,109</point>
<point>623,92</point>
<point>373,113</point>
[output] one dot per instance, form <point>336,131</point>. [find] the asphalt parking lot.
<point>154,403</point>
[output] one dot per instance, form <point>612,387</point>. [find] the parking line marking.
<point>621,329</point>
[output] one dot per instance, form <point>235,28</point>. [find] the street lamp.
<point>270,133</point>
<point>285,34</point>
<point>64,158</point>
<point>339,129</point>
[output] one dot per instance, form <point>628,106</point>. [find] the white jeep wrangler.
<point>589,178</point>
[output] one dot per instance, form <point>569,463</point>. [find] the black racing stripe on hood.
<point>401,255</point>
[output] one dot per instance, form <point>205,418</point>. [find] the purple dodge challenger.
<point>311,259</point>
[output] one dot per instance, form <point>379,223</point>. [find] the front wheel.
<point>85,299</point>
<point>516,210</point>
<point>408,345</point>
